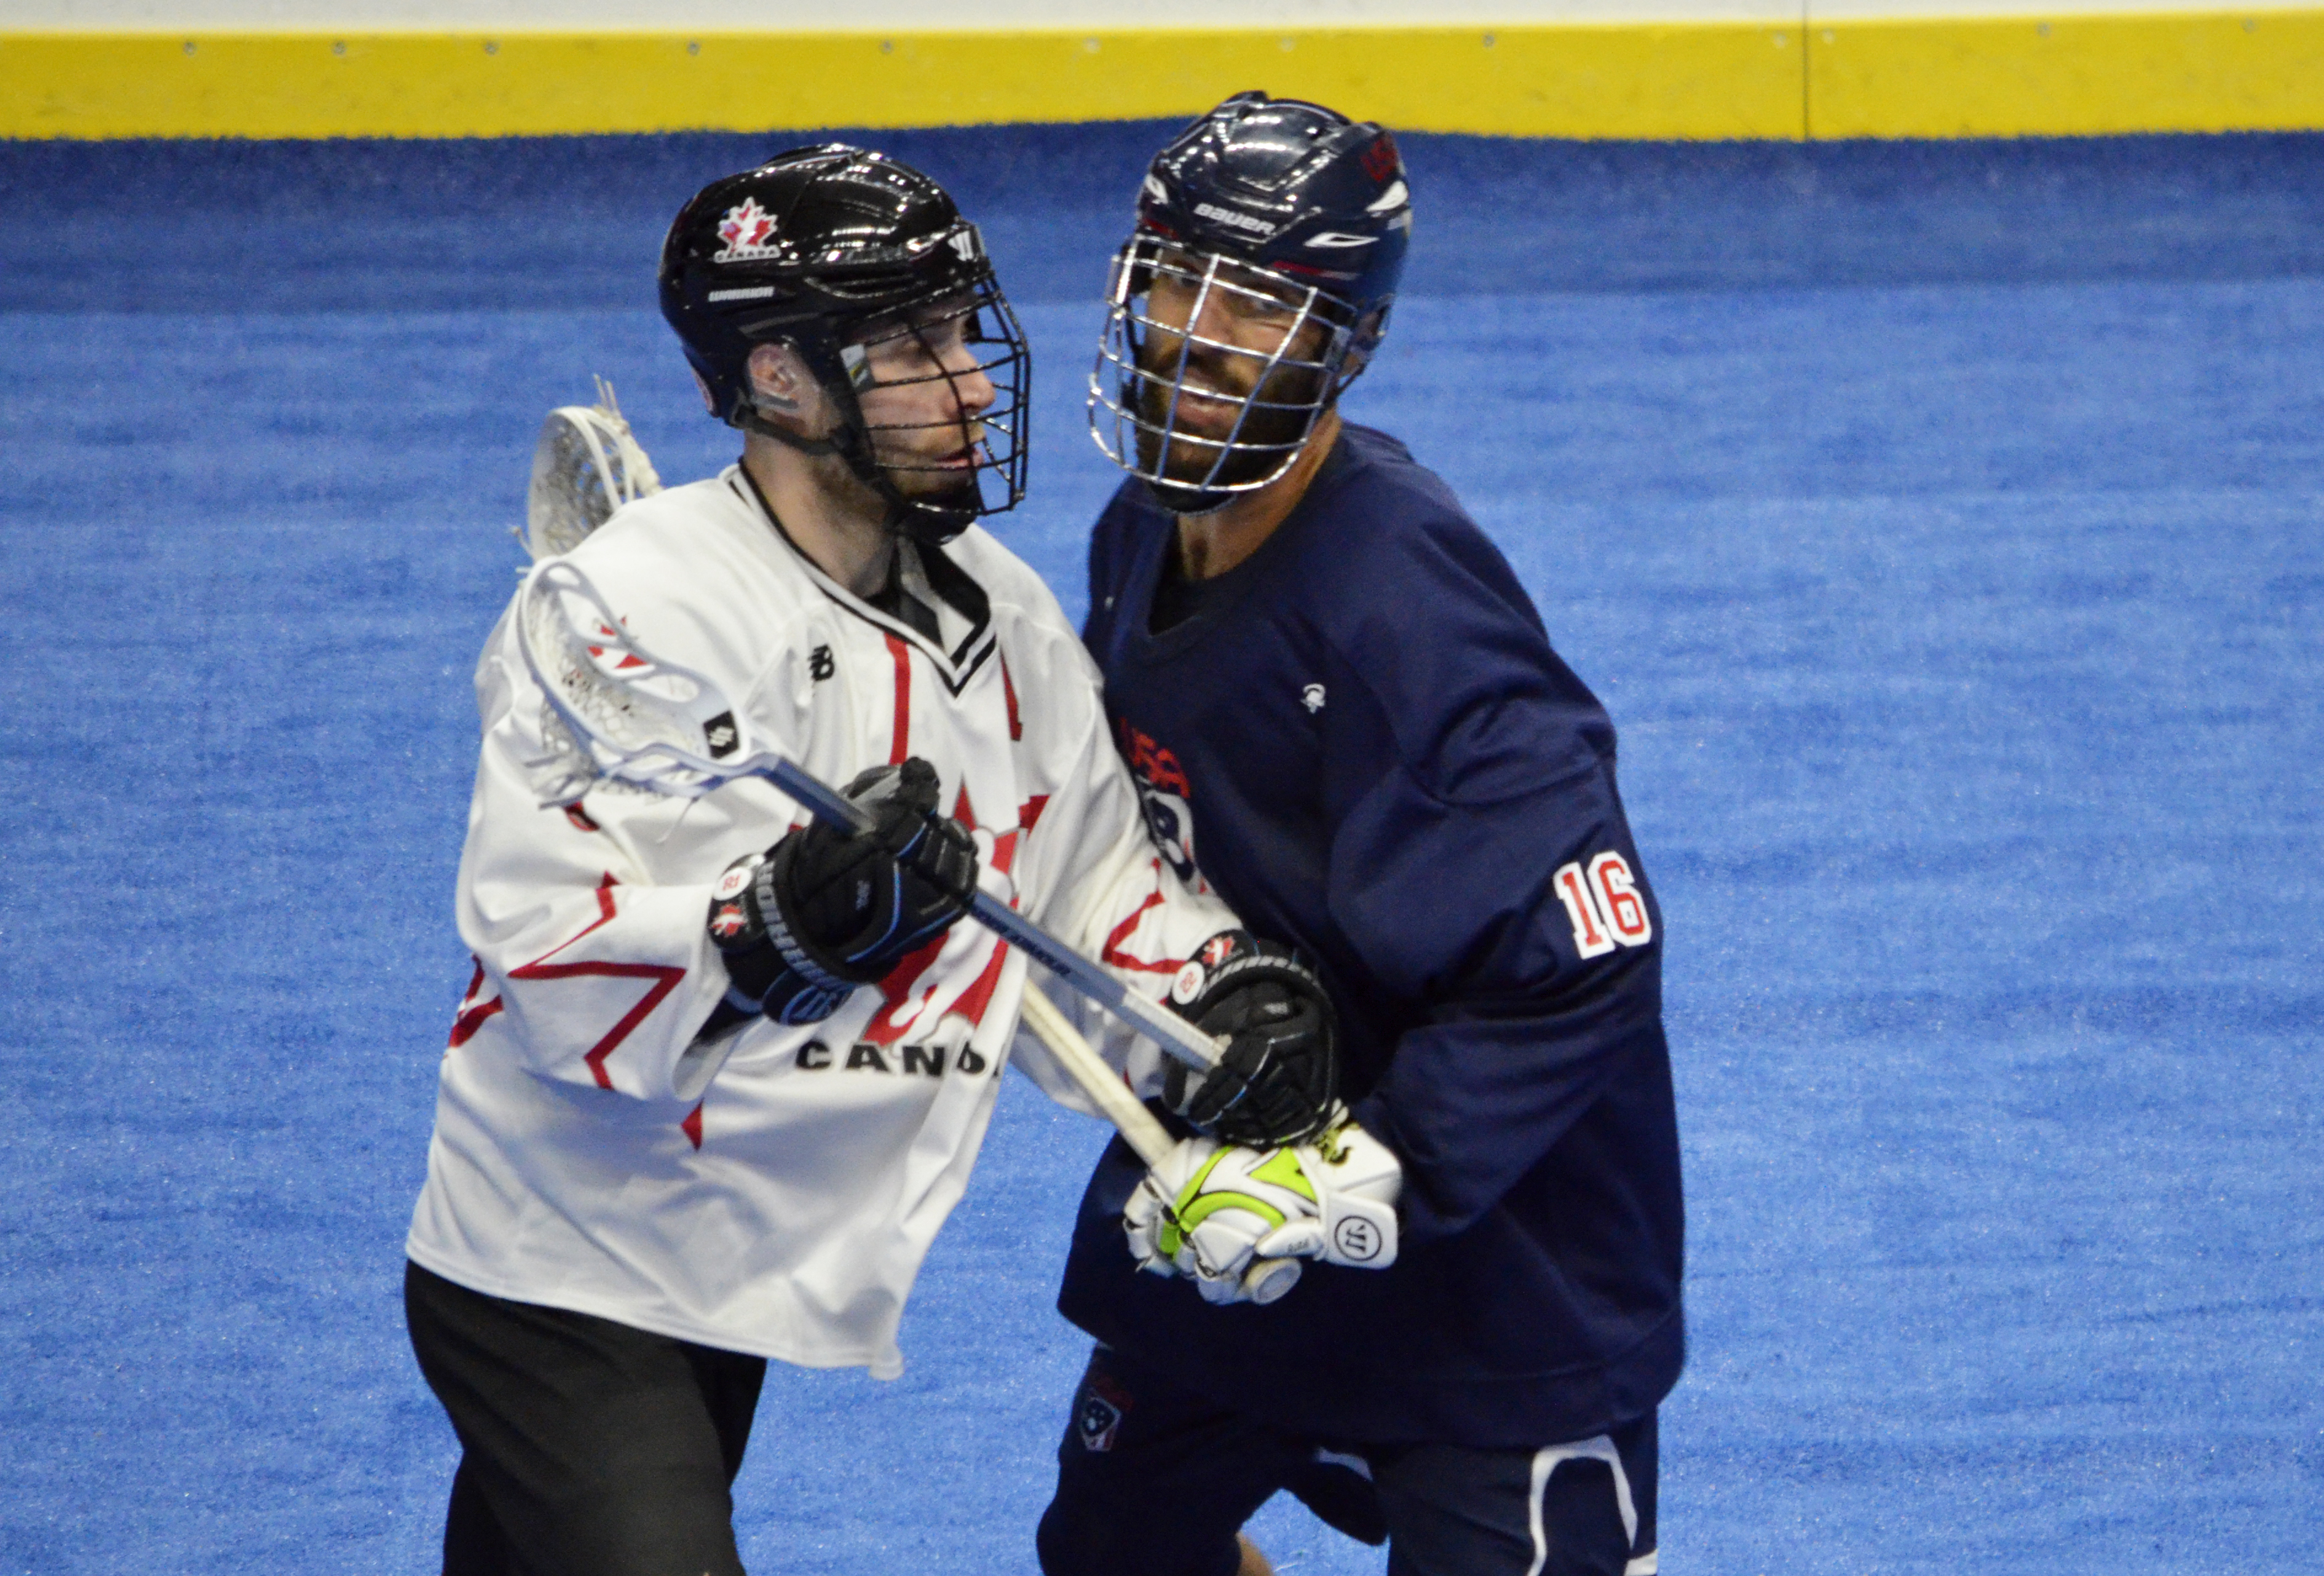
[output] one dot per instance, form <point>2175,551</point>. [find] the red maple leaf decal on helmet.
<point>745,227</point>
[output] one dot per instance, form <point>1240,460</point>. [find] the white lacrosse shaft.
<point>1086,1068</point>
<point>646,721</point>
<point>1264,1281</point>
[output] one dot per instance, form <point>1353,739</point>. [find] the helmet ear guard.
<point>759,410</point>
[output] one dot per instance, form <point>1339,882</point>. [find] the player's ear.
<point>779,379</point>
<point>709,399</point>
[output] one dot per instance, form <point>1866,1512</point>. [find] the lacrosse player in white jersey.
<point>723,1068</point>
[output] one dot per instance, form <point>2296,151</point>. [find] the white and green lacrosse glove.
<point>1227,1215</point>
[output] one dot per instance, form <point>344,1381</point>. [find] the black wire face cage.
<point>936,490</point>
<point>1212,391</point>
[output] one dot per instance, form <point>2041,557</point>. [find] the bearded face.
<point>1229,373</point>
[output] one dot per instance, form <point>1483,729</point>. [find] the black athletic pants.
<point>1153,1481</point>
<point>587,1447</point>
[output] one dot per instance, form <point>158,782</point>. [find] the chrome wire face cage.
<point>1212,373</point>
<point>984,472</point>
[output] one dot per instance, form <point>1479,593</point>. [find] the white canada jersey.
<point>773,1191</point>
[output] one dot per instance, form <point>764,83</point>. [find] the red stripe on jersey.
<point>888,1024</point>
<point>465,1026</point>
<point>605,916</point>
<point>963,811</point>
<point>902,746</point>
<point>978,996</point>
<point>1009,693</point>
<point>1120,933</point>
<point>692,1126</point>
<point>1006,846</point>
<point>473,1014</point>
<point>665,976</point>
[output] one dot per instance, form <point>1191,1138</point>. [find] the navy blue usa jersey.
<point>1362,736</point>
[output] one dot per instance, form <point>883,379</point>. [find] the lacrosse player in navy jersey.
<point>1339,701</point>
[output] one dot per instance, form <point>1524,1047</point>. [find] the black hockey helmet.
<point>834,250</point>
<point>1277,198</point>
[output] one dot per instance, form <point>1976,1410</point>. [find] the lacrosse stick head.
<point>626,714</point>
<point>586,464</point>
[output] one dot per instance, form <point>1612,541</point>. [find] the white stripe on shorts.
<point>1598,1449</point>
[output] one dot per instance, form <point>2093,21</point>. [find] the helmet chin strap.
<point>747,419</point>
<point>930,527</point>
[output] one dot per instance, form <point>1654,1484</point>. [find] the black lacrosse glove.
<point>825,910</point>
<point>1278,1080</point>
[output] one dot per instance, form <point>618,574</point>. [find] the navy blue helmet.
<point>1270,237</point>
<point>832,250</point>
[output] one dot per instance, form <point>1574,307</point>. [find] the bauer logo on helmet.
<point>1228,216</point>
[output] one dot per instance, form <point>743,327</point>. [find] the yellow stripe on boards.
<point>2071,74</point>
<point>1909,78</point>
<point>1676,81</point>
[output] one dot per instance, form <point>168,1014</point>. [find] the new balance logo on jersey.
<point>819,664</point>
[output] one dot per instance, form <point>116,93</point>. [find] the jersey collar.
<point>948,580</point>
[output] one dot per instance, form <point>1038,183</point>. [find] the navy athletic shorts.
<point>587,1447</point>
<point>1153,1481</point>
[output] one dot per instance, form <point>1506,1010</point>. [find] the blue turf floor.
<point>1944,526</point>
